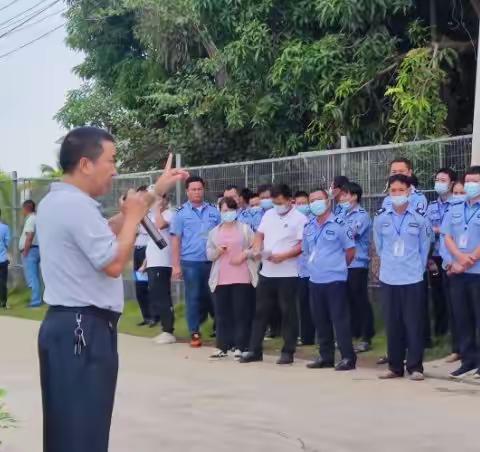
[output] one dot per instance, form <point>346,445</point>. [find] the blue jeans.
<point>31,269</point>
<point>198,299</point>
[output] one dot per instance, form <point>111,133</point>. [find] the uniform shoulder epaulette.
<point>339,221</point>
<point>179,208</point>
<point>420,211</point>
<point>380,211</point>
<point>211,205</point>
<point>362,210</point>
<point>434,202</point>
<point>456,203</point>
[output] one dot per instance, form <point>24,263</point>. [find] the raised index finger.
<point>168,165</point>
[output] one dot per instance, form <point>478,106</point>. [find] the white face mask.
<point>281,209</point>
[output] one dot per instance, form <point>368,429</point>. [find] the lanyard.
<point>471,216</point>
<point>317,236</point>
<point>399,230</point>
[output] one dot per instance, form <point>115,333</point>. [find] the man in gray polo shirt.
<point>83,257</point>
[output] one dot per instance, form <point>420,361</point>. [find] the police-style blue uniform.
<point>462,224</point>
<point>324,249</point>
<point>361,312</point>
<point>245,216</point>
<point>256,217</point>
<point>4,244</point>
<point>403,242</point>
<point>417,200</point>
<point>192,225</point>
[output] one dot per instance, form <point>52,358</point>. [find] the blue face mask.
<point>255,209</point>
<point>441,188</point>
<point>459,198</point>
<point>281,209</point>
<point>318,207</point>
<point>344,205</point>
<point>266,204</point>
<point>399,200</point>
<point>472,189</point>
<point>305,209</point>
<point>229,216</point>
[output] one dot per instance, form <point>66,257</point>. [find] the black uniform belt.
<point>105,314</point>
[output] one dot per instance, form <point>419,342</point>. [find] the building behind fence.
<point>366,165</point>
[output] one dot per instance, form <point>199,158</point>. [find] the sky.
<point>33,85</point>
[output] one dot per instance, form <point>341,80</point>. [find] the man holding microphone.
<point>83,257</point>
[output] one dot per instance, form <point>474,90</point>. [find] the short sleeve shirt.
<point>157,257</point>
<point>28,228</point>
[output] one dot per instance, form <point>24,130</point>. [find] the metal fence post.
<point>15,226</point>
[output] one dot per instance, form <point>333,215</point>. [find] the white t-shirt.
<point>281,233</point>
<point>142,236</point>
<point>155,256</point>
<point>28,227</point>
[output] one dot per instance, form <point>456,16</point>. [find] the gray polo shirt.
<point>76,243</point>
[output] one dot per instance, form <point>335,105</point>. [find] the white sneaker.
<point>218,354</point>
<point>165,338</point>
<point>237,354</point>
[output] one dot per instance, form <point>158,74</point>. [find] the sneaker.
<point>251,357</point>
<point>454,357</point>
<point>320,364</point>
<point>417,376</point>
<point>462,371</point>
<point>345,364</point>
<point>153,323</point>
<point>362,347</point>
<point>165,338</point>
<point>143,323</point>
<point>237,354</point>
<point>219,354</point>
<point>196,340</point>
<point>389,375</point>
<point>477,375</point>
<point>382,360</point>
<point>285,358</point>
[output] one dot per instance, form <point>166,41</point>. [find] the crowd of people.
<point>296,265</point>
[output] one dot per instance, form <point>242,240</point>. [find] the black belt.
<point>33,246</point>
<point>105,314</point>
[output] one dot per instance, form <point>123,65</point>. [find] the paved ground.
<point>173,399</point>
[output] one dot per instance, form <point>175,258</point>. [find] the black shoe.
<point>382,360</point>
<point>345,364</point>
<point>320,364</point>
<point>153,323</point>
<point>285,358</point>
<point>213,335</point>
<point>251,357</point>
<point>143,323</point>
<point>362,347</point>
<point>462,371</point>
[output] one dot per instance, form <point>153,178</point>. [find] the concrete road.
<point>173,399</point>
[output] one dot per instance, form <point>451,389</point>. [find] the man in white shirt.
<point>28,246</point>
<point>159,269</point>
<point>279,235</point>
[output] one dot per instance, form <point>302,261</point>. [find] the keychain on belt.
<point>80,342</point>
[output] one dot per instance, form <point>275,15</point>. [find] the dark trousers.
<point>3,283</point>
<point>273,292</point>
<point>159,289</point>
<point>234,308</point>
<point>361,312</point>
<point>141,287</point>
<point>78,391</point>
<point>439,299</point>
<point>307,328</point>
<point>465,293</point>
<point>331,316</point>
<point>451,316</point>
<point>427,327</point>
<point>404,311</point>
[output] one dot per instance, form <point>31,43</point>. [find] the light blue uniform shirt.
<point>245,217</point>
<point>76,244</point>
<point>436,211</point>
<point>192,226</point>
<point>412,229</point>
<point>4,242</point>
<point>324,246</point>
<point>358,220</point>
<point>302,259</point>
<point>417,200</point>
<point>462,223</point>
<point>256,218</point>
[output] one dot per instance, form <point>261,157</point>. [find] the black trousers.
<point>159,289</point>
<point>141,287</point>
<point>78,391</point>
<point>451,316</point>
<point>272,292</point>
<point>361,312</point>
<point>439,299</point>
<point>404,311</point>
<point>234,308</point>
<point>3,283</point>
<point>307,328</point>
<point>427,327</point>
<point>331,316</point>
<point>465,293</point>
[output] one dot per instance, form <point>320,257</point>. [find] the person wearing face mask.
<point>307,329</point>
<point>233,276</point>
<point>329,247</point>
<point>232,191</point>
<point>278,242</point>
<point>358,220</point>
<point>436,210</point>
<point>335,192</point>
<point>461,231</point>
<point>258,209</point>
<point>402,238</point>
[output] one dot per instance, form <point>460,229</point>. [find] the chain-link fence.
<point>369,166</point>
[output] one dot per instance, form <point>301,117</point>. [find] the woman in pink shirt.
<point>232,278</point>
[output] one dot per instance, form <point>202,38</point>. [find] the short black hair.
<point>232,187</point>
<point>192,179</point>
<point>321,190</point>
<point>246,194</point>
<point>473,170</point>
<point>83,142</point>
<point>142,188</point>
<point>281,190</point>
<point>263,188</point>
<point>340,181</point>
<point>400,178</point>
<point>408,162</point>
<point>452,175</point>
<point>254,195</point>
<point>30,204</point>
<point>414,180</point>
<point>230,202</point>
<point>301,194</point>
<point>354,189</point>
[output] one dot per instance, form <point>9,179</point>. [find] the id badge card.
<point>463,241</point>
<point>399,248</point>
<point>312,257</point>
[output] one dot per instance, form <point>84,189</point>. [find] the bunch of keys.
<point>80,342</point>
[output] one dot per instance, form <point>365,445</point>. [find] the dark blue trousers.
<point>307,328</point>
<point>78,390</point>
<point>330,313</point>
<point>404,311</point>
